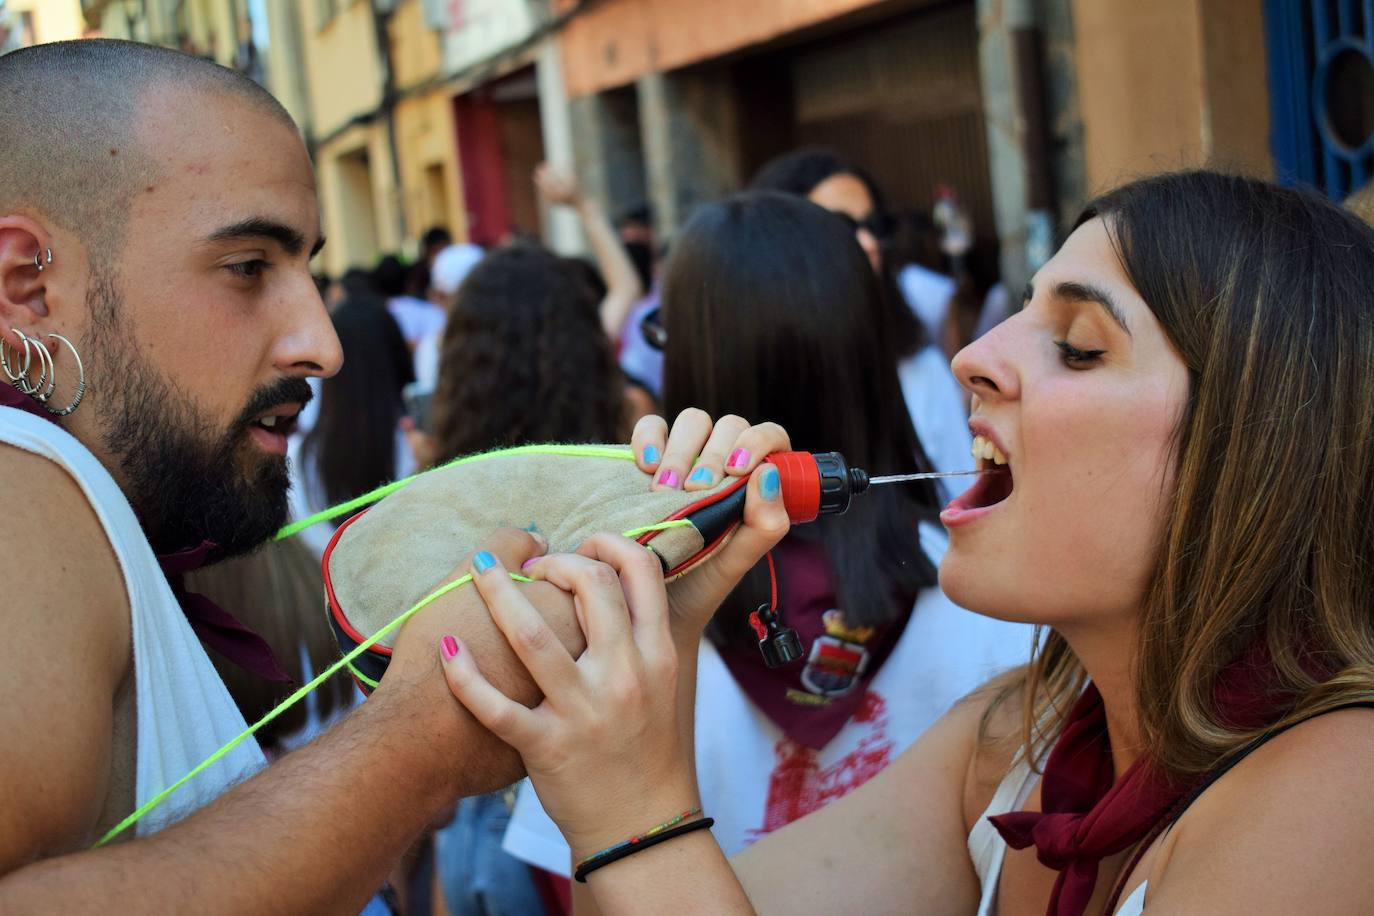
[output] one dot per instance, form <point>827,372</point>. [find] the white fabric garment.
<point>935,401</point>
<point>988,850</point>
<point>427,353</point>
<point>184,711</point>
<point>417,318</point>
<point>305,498</point>
<point>452,266</point>
<point>929,295</point>
<point>754,781</point>
<point>638,358</point>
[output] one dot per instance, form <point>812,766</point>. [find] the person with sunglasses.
<point>932,395</point>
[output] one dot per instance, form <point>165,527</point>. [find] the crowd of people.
<point>1127,663</point>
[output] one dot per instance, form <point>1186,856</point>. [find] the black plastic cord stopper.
<point>780,645</point>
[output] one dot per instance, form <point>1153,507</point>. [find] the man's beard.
<point>184,479</point>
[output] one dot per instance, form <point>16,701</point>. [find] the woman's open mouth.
<point>989,490</point>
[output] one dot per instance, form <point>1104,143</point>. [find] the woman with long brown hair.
<point>1186,410</point>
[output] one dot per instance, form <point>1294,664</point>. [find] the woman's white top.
<point>754,780</point>
<point>184,712</point>
<point>988,850</point>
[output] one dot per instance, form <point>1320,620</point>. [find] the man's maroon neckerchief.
<point>214,626</point>
<point>1086,815</point>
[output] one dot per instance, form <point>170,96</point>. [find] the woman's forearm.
<point>685,875</point>
<point>623,288</point>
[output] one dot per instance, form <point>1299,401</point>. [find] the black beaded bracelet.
<point>616,855</point>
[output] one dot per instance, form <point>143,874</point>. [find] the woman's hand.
<point>556,186</point>
<point>605,749</point>
<point>695,455</point>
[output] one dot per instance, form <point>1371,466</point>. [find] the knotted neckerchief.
<point>213,626</point>
<point>811,700</point>
<point>1087,816</point>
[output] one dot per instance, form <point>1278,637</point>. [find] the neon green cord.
<point>661,526</point>
<point>345,662</point>
<point>573,451</point>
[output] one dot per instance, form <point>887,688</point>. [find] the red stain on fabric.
<point>799,785</point>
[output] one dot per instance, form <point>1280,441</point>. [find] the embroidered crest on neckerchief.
<point>838,659</point>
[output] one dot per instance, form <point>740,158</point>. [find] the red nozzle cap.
<point>801,485</point>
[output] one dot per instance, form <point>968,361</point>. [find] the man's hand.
<point>414,675</point>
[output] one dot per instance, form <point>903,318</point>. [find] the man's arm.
<point>317,831</point>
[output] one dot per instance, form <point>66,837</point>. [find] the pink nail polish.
<point>450,647</point>
<point>738,458</point>
<point>668,478</point>
<point>530,562</point>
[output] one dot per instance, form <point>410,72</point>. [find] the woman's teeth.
<point>983,448</point>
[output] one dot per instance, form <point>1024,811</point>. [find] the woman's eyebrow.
<point>1074,291</point>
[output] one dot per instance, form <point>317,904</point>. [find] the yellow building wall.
<point>53,20</point>
<point>286,74</point>
<point>416,49</point>
<point>358,198</point>
<point>1171,84</point>
<point>426,141</point>
<point>427,146</point>
<point>366,213</point>
<point>341,59</point>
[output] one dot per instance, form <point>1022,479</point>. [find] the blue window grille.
<point>1321,87</point>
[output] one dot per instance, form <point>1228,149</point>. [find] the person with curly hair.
<point>524,359</point>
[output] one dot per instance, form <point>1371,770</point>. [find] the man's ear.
<point>24,264</point>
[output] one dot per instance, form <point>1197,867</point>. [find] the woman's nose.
<point>985,368</point>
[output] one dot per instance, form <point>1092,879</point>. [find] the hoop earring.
<point>42,389</point>
<point>13,376</point>
<point>43,259</point>
<point>44,359</point>
<point>80,384</point>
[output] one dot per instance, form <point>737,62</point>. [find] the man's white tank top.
<point>184,712</point>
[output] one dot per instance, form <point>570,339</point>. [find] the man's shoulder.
<point>56,556</point>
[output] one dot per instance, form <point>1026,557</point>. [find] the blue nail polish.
<point>651,455</point>
<point>702,475</point>
<point>483,561</point>
<point>770,485</point>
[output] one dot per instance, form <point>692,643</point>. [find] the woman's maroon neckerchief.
<point>1087,816</point>
<point>213,626</point>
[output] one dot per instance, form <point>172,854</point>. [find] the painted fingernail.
<point>651,454</point>
<point>530,562</point>
<point>449,646</point>
<point>739,458</point>
<point>483,561</point>
<point>668,478</point>
<point>770,485</point>
<point>702,475</point>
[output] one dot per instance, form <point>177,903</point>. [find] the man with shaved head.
<point>159,322</point>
